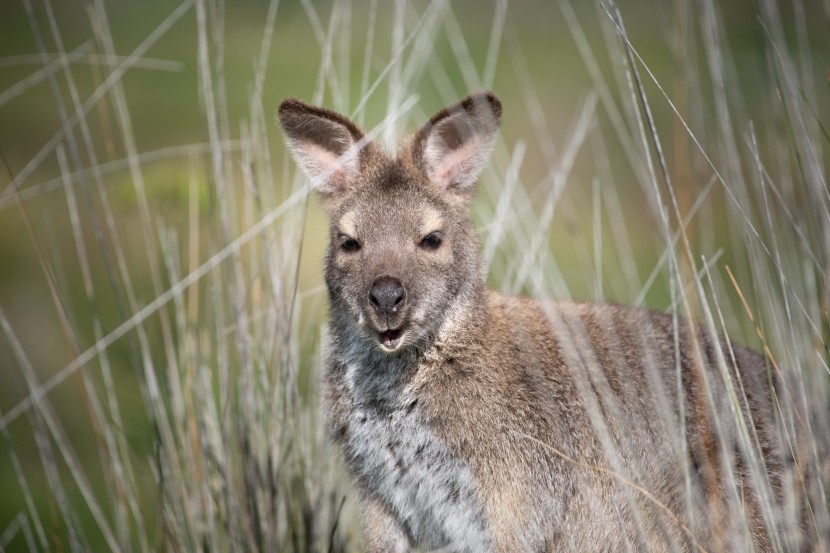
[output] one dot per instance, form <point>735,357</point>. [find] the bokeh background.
<point>161,298</point>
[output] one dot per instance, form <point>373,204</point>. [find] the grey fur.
<point>479,422</point>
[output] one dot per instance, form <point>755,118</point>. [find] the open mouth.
<point>390,339</point>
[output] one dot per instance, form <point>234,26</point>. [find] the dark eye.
<point>348,244</point>
<point>431,241</point>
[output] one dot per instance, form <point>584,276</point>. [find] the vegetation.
<point>161,300</point>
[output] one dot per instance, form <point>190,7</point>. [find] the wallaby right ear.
<point>452,149</point>
<point>324,144</point>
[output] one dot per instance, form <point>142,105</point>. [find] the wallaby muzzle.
<point>387,296</point>
<point>388,307</point>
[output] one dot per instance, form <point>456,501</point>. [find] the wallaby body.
<point>473,421</point>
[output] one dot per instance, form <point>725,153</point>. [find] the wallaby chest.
<point>392,449</point>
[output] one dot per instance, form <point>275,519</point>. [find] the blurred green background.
<point>534,64</point>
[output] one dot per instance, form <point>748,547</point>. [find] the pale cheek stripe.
<point>432,221</point>
<point>347,224</point>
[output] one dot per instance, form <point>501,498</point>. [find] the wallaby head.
<point>402,252</point>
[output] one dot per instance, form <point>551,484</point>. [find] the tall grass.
<point>162,308</point>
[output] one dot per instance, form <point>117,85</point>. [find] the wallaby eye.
<point>349,244</point>
<point>431,241</point>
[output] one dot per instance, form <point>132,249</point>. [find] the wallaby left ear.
<point>326,145</point>
<point>452,149</point>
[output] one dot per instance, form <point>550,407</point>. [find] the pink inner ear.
<point>453,166</point>
<point>329,170</point>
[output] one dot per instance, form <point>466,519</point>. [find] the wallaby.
<point>474,421</point>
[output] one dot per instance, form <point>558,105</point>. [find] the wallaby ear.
<point>452,149</point>
<point>325,144</point>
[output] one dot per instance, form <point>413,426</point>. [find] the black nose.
<point>387,295</point>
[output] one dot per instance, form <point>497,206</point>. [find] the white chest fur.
<point>432,493</point>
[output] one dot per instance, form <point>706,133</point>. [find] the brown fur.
<point>477,421</point>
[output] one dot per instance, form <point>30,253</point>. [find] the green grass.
<point>198,266</point>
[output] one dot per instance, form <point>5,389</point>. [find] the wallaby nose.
<point>387,295</point>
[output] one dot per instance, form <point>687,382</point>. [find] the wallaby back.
<point>480,422</point>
